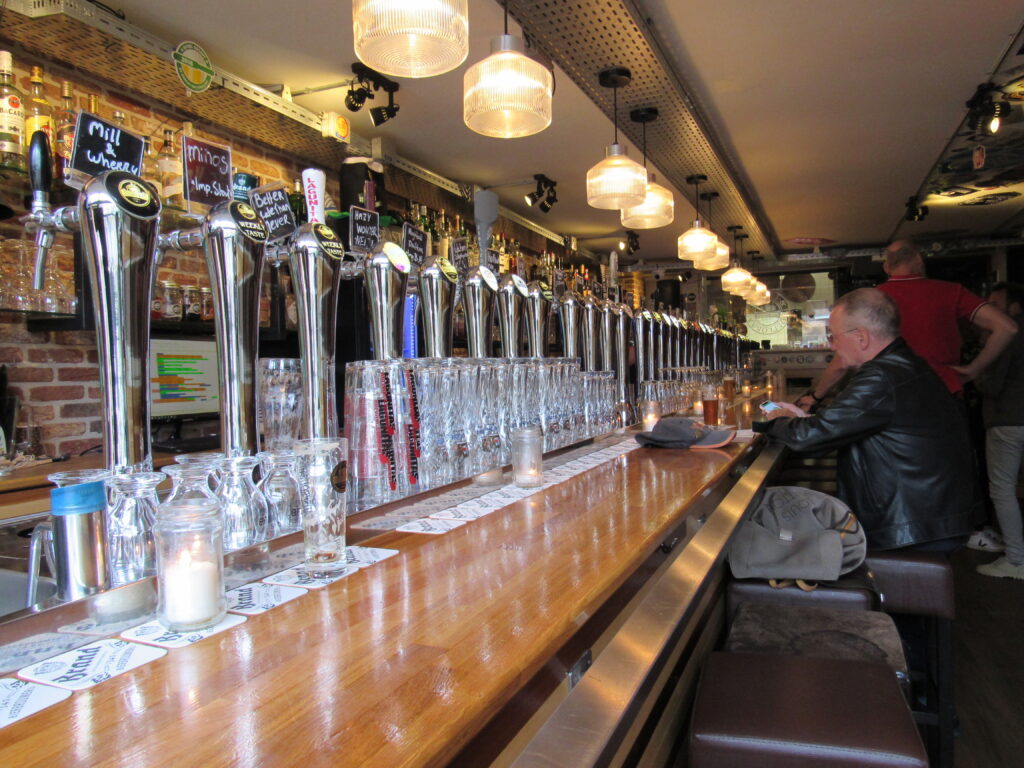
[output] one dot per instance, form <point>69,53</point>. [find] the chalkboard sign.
<point>492,260</point>
<point>101,146</point>
<point>414,241</point>
<point>363,229</point>
<point>207,171</point>
<point>459,250</point>
<point>271,203</point>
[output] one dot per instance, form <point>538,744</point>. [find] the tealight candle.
<point>650,413</point>
<point>528,457</point>
<point>190,564</point>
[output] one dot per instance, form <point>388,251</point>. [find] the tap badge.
<point>328,241</point>
<point>397,256</point>
<point>519,283</point>
<point>488,277</point>
<point>246,212</point>
<point>133,193</point>
<point>447,269</point>
<point>248,221</point>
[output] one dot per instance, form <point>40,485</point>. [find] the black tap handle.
<point>40,164</point>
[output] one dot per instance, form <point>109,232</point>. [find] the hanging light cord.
<point>615,112</point>
<point>643,127</point>
<point>506,17</point>
<point>696,198</point>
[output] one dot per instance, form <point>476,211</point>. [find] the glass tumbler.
<point>190,564</point>
<point>77,477</point>
<point>190,481</point>
<point>281,489</point>
<point>370,426</point>
<point>280,401</point>
<point>321,470</point>
<point>130,516</point>
<point>243,505</point>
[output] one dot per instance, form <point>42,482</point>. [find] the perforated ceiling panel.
<point>586,36</point>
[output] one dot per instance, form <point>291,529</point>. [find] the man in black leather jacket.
<point>905,463</point>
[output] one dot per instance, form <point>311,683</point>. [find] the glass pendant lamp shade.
<point>657,210</point>
<point>735,280</point>
<point>411,38</point>
<point>508,94</point>
<point>697,244</point>
<point>720,259</point>
<point>616,181</point>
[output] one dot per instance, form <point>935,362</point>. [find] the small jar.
<point>190,564</point>
<point>206,304</point>
<point>192,303</point>
<point>650,414</point>
<point>528,457</point>
<point>169,296</point>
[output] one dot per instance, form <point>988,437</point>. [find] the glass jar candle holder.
<point>190,564</point>
<point>650,414</point>
<point>528,457</point>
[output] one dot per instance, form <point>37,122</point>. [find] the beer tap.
<point>538,314</point>
<point>570,312</point>
<point>641,341</point>
<point>118,216</point>
<point>439,281</point>
<point>588,334</point>
<point>623,317</point>
<point>511,295</point>
<point>478,303</point>
<point>386,278</point>
<point>606,338</point>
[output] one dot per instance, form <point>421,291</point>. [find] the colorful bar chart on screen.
<point>183,377</point>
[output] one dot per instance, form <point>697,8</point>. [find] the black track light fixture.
<point>380,115</point>
<point>549,199</point>
<point>630,244</point>
<point>368,82</point>
<point>984,113</point>
<point>915,212</point>
<point>544,196</point>
<point>356,97</point>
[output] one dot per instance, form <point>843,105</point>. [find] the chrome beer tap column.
<point>606,335</point>
<point>570,315</point>
<point>588,332</point>
<point>315,259</point>
<point>538,315</point>
<point>118,215</point>
<point>386,277</point>
<point>438,283</point>
<point>623,331</point>
<point>478,303</point>
<point>641,321</point>
<point>653,350</point>
<point>511,296</point>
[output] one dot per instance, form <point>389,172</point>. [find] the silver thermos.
<point>386,277</point>
<point>511,296</point>
<point>478,303</point>
<point>79,540</point>
<point>439,281</point>
<point>538,313</point>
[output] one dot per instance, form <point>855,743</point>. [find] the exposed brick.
<point>94,393</point>
<point>29,373</point>
<point>62,429</point>
<point>42,413</point>
<point>75,338</point>
<point>11,355</point>
<point>18,334</point>
<point>74,447</point>
<point>79,410</point>
<point>55,355</point>
<point>261,168</point>
<point>49,394</point>
<point>169,262</point>
<point>128,105</point>
<point>95,427</point>
<point>83,373</point>
<point>92,356</point>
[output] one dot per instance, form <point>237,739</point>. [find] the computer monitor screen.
<point>183,377</point>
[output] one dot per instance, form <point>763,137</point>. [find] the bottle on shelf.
<point>119,117</point>
<point>65,120</point>
<point>171,175</point>
<point>12,118</point>
<point>151,169</point>
<point>38,109</point>
<point>297,202</point>
<point>94,105</point>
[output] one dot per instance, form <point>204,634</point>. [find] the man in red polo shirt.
<point>930,310</point>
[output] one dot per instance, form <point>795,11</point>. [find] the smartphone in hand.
<point>770,408</point>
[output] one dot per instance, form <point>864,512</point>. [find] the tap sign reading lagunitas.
<point>100,146</point>
<point>363,229</point>
<point>207,171</point>
<point>271,203</point>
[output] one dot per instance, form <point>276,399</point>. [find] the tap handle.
<point>40,170</point>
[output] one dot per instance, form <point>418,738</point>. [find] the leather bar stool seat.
<point>740,591</point>
<point>798,711</point>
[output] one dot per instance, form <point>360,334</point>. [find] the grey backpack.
<point>797,533</point>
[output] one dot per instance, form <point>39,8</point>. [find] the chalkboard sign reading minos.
<point>271,203</point>
<point>363,229</point>
<point>207,171</point>
<point>101,146</point>
<point>414,241</point>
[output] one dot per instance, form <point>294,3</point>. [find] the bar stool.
<point>796,711</point>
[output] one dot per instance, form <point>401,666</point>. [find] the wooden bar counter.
<point>403,663</point>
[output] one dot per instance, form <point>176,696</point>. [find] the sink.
<point>12,590</point>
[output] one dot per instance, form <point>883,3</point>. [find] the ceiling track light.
<point>697,244</point>
<point>544,196</point>
<point>616,182</point>
<point>658,207</point>
<point>914,211</point>
<point>630,244</point>
<point>409,39</point>
<point>984,113</point>
<point>369,81</point>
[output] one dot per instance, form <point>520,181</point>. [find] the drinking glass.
<point>243,505</point>
<point>77,477</point>
<point>280,487</point>
<point>432,398</point>
<point>321,470</point>
<point>130,517</point>
<point>280,401</point>
<point>369,430</point>
<point>190,481</point>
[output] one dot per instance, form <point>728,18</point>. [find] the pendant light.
<point>658,207</point>
<point>616,181</point>
<point>736,279</point>
<point>761,295</point>
<point>697,244</point>
<point>508,94</point>
<point>719,258</point>
<point>404,38</point>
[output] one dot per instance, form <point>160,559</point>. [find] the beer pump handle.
<point>40,173</point>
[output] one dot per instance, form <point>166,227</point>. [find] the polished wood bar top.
<point>401,663</point>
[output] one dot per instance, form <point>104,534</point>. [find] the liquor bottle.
<point>12,118</point>
<point>38,111</point>
<point>171,176</point>
<point>94,105</point>
<point>151,169</point>
<point>297,202</point>
<point>65,120</point>
<point>119,118</point>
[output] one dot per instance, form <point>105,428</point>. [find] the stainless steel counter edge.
<point>589,723</point>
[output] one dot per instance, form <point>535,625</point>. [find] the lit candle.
<point>650,413</point>
<point>528,457</point>
<point>746,389</point>
<point>698,407</point>
<point>192,593</point>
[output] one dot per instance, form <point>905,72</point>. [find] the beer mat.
<point>361,557</point>
<point>458,513</point>
<point>257,598</point>
<point>299,576</point>
<point>20,698</point>
<point>430,525</point>
<point>155,633</point>
<point>103,628</point>
<point>382,523</point>
<point>744,435</point>
<point>91,664</point>
<point>35,648</point>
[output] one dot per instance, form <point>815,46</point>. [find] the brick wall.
<point>55,373</point>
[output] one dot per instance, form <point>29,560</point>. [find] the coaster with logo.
<point>299,576</point>
<point>431,526</point>
<point>256,598</point>
<point>155,633</point>
<point>361,557</point>
<point>459,513</point>
<point>20,698</point>
<point>91,664</point>
<point>102,629</point>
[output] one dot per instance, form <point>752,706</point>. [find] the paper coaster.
<point>430,525</point>
<point>299,577</point>
<point>458,513</point>
<point>361,557</point>
<point>103,629</point>
<point>91,664</point>
<point>19,699</point>
<point>256,598</point>
<point>155,633</point>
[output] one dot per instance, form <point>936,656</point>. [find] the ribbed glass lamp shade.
<point>735,280</point>
<point>719,261</point>
<point>508,94</point>
<point>657,210</point>
<point>616,181</point>
<point>697,244</point>
<point>411,38</point>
